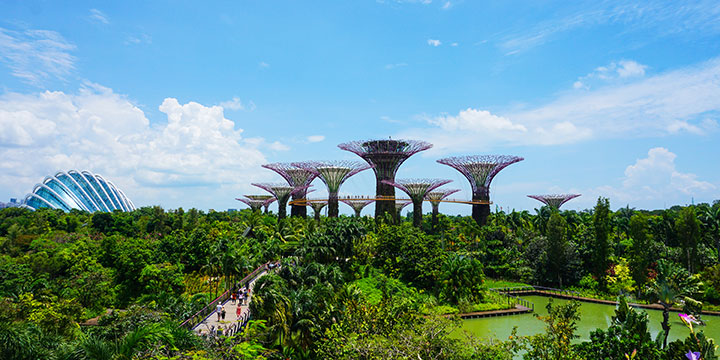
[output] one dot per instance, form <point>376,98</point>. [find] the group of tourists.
<point>241,296</point>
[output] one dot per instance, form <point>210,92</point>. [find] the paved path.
<point>211,322</point>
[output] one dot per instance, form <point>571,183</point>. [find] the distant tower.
<point>480,171</point>
<point>282,193</point>
<point>295,176</point>
<point>554,201</point>
<point>357,203</point>
<point>417,189</point>
<point>317,206</point>
<point>255,205</point>
<point>386,156</point>
<point>399,205</point>
<point>267,200</point>
<point>333,174</point>
<point>435,197</point>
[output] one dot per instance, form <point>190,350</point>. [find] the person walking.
<point>222,313</point>
<point>232,298</point>
<point>218,309</point>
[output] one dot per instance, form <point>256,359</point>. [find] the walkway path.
<point>211,323</point>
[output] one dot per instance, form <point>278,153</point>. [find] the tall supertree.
<point>267,200</point>
<point>295,176</point>
<point>480,171</point>
<point>357,203</point>
<point>435,198</point>
<point>386,156</point>
<point>282,193</point>
<point>317,206</point>
<point>333,174</point>
<point>255,205</point>
<point>417,189</point>
<point>554,200</point>
<point>399,205</point>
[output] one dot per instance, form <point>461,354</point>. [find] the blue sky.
<point>179,103</point>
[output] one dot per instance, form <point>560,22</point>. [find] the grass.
<point>497,283</point>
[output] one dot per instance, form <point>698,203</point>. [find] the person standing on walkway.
<point>218,309</point>
<point>222,312</point>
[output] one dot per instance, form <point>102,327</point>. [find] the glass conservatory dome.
<point>78,190</point>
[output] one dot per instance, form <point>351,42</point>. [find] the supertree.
<point>333,174</point>
<point>357,203</point>
<point>399,205</point>
<point>554,200</point>
<point>480,171</point>
<point>317,206</point>
<point>386,156</point>
<point>295,176</point>
<point>282,193</point>
<point>254,205</point>
<point>417,189</point>
<point>435,197</point>
<point>268,199</point>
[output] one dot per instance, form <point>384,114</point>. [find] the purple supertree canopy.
<point>399,205</point>
<point>438,196</point>
<point>357,203</point>
<point>385,155</point>
<point>417,188</point>
<point>333,173</point>
<point>480,170</point>
<point>253,204</point>
<point>295,176</point>
<point>280,191</point>
<point>317,205</point>
<point>554,200</point>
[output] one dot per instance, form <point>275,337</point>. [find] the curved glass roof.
<point>80,190</point>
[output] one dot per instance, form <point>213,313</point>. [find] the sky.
<point>179,103</point>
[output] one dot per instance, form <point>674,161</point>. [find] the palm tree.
<point>672,284</point>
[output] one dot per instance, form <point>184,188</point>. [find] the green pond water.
<point>592,316</point>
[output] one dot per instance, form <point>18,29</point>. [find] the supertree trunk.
<point>417,213</point>
<point>298,210</point>
<point>357,212</point>
<point>317,216</point>
<point>385,206</point>
<point>435,212</point>
<point>333,205</point>
<point>282,209</point>
<point>480,212</point>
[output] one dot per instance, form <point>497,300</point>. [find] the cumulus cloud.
<point>656,177</point>
<point>433,42</point>
<point>315,138</point>
<point>99,130</point>
<point>685,100</point>
<point>36,55</point>
<point>396,65</point>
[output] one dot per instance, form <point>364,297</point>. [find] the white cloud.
<point>99,130</point>
<point>433,42</point>
<point>278,146</point>
<point>454,44</point>
<point>237,104</point>
<point>621,70</point>
<point>681,101</point>
<point>656,177</point>
<point>138,39</point>
<point>263,65</point>
<point>446,5</point>
<point>36,55</point>
<point>315,138</point>
<point>396,65</point>
<point>99,16</point>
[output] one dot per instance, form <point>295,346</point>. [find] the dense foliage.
<point>349,287</point>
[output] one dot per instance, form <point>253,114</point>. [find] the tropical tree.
<point>671,285</point>
<point>601,246</point>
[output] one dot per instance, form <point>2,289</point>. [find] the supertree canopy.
<point>554,200</point>
<point>386,156</point>
<point>317,206</point>
<point>417,189</point>
<point>357,203</point>
<point>295,176</point>
<point>333,174</point>
<point>399,205</point>
<point>282,193</point>
<point>254,205</point>
<point>268,199</point>
<point>480,171</point>
<point>435,197</point>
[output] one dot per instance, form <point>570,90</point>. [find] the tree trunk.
<point>282,209</point>
<point>333,205</point>
<point>383,207</point>
<point>417,213</point>
<point>298,210</point>
<point>435,212</point>
<point>666,324</point>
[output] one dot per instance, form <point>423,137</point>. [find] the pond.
<point>592,316</point>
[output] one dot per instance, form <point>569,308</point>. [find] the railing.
<point>535,288</point>
<point>199,316</point>
<point>514,300</point>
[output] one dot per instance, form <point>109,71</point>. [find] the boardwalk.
<point>210,324</point>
